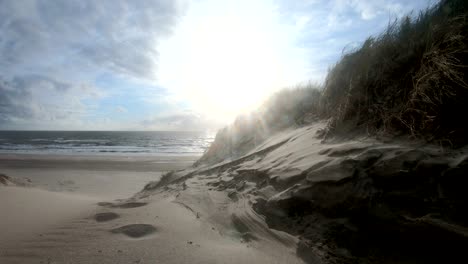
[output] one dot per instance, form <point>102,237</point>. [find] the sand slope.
<point>159,229</point>
<point>28,211</point>
<point>347,201</point>
<point>170,226</point>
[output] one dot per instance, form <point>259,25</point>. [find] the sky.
<point>169,64</point>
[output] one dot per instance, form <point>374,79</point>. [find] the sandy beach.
<point>291,199</point>
<point>75,209</point>
<point>104,177</point>
<point>206,132</point>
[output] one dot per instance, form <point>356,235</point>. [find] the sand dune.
<point>338,201</point>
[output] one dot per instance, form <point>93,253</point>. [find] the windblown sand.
<point>28,211</point>
<point>291,199</point>
<point>76,212</point>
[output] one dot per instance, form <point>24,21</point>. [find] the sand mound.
<point>345,201</point>
<point>104,217</point>
<point>135,230</point>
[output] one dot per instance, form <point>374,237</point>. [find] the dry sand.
<point>292,199</point>
<point>28,211</point>
<point>104,177</point>
<point>76,214</point>
<point>344,201</point>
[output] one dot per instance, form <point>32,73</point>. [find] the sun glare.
<point>235,66</point>
<point>229,66</point>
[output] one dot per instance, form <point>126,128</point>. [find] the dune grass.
<point>408,80</point>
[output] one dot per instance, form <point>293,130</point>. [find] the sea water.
<point>105,142</point>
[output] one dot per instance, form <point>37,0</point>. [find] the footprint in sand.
<point>103,217</point>
<point>135,230</point>
<point>122,205</point>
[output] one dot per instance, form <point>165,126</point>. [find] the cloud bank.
<point>35,100</point>
<point>55,48</point>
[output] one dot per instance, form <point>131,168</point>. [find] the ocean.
<point>105,142</point>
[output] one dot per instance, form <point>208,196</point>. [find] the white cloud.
<point>113,35</point>
<point>39,102</point>
<point>52,51</point>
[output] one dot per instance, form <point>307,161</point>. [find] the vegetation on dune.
<point>410,79</point>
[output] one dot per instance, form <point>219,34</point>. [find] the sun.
<point>233,68</point>
<point>225,64</point>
